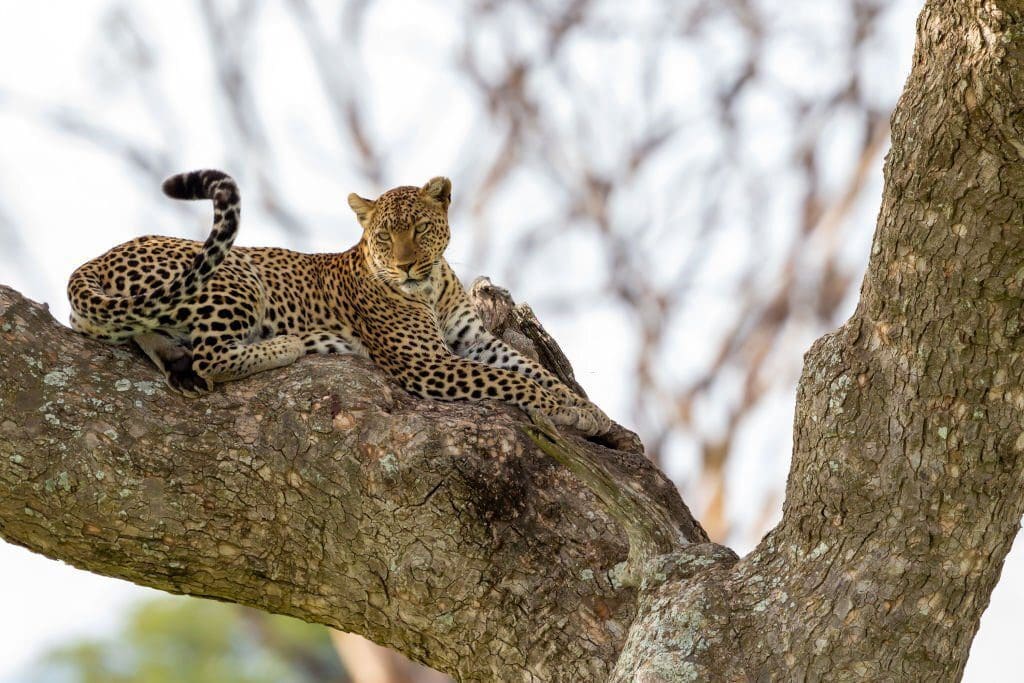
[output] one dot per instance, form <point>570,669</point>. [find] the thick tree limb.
<point>905,492</point>
<point>322,491</point>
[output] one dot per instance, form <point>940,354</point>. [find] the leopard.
<point>209,312</point>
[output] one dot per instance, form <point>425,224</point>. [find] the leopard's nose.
<point>406,267</point>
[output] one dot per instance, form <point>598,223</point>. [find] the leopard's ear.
<point>362,207</point>
<point>440,190</point>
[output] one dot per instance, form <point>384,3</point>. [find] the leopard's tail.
<point>115,318</point>
<point>221,188</point>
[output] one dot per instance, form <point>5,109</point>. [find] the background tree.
<point>198,641</point>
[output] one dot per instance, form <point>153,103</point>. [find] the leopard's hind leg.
<point>228,357</point>
<point>342,341</point>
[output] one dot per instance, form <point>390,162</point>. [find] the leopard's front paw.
<point>588,417</point>
<point>584,416</point>
<point>183,379</point>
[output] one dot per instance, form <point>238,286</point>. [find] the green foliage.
<point>186,640</point>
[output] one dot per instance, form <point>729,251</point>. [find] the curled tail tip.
<point>195,184</point>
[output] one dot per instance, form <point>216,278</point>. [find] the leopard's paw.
<point>585,417</point>
<point>588,418</point>
<point>183,379</point>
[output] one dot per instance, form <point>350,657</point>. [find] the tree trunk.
<point>905,490</point>
<point>323,491</point>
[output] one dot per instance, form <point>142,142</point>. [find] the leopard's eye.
<point>421,227</point>
<point>383,237</point>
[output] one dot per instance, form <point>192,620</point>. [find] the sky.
<point>50,186</point>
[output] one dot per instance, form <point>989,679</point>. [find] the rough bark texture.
<point>906,488</point>
<point>324,492</point>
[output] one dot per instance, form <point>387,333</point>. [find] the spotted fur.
<point>207,312</point>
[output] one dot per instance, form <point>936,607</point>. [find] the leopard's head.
<point>405,231</point>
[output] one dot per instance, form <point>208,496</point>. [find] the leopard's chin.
<point>424,287</point>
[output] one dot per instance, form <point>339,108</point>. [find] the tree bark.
<point>323,491</point>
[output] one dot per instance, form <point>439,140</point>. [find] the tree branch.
<point>518,326</point>
<point>322,491</point>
